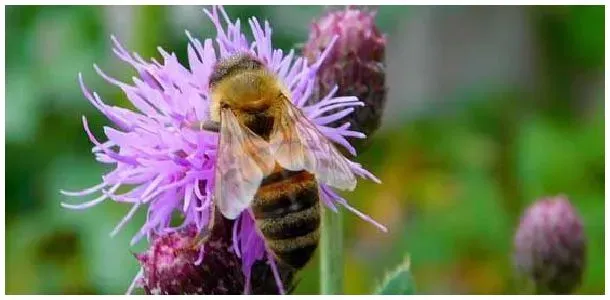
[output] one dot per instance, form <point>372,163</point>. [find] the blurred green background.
<point>489,108</point>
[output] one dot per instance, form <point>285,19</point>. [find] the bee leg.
<point>206,125</point>
<point>209,125</point>
<point>205,235</point>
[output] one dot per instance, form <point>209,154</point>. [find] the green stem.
<point>331,258</point>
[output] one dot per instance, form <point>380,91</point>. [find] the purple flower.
<point>550,246</point>
<point>171,265</point>
<point>168,165</point>
<point>355,64</point>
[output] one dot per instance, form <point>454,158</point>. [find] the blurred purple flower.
<point>168,165</point>
<point>550,246</point>
<point>355,64</point>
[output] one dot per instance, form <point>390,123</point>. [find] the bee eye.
<point>224,105</point>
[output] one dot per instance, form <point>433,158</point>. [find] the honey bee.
<point>270,158</point>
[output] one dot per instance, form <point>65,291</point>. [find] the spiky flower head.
<point>168,166</point>
<point>171,266</point>
<point>174,264</point>
<point>355,64</point>
<point>550,246</point>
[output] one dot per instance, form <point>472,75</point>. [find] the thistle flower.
<point>170,266</point>
<point>550,246</point>
<point>355,63</point>
<point>169,166</point>
<point>173,265</point>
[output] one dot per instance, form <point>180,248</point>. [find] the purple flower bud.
<point>550,246</point>
<point>175,265</point>
<point>355,65</point>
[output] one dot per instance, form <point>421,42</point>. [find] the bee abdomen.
<point>295,252</point>
<point>293,239</point>
<point>289,216</point>
<point>291,225</point>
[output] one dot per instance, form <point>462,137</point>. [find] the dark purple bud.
<point>355,64</point>
<point>550,246</point>
<point>170,265</point>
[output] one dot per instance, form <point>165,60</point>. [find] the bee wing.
<point>298,145</point>
<point>243,160</point>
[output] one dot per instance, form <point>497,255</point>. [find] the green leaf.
<point>398,282</point>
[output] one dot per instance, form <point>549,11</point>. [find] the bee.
<point>270,158</point>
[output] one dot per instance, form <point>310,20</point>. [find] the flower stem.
<point>331,256</point>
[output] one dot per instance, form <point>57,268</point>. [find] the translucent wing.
<point>298,145</point>
<point>243,160</point>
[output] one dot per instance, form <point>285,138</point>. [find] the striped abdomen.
<point>287,211</point>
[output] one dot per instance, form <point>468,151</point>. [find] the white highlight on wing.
<point>298,145</point>
<point>243,160</point>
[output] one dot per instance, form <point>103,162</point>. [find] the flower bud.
<point>170,265</point>
<point>355,64</point>
<point>550,246</point>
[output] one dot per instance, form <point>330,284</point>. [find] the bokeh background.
<point>488,109</point>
